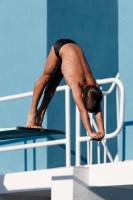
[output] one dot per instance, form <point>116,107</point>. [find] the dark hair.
<point>92,96</point>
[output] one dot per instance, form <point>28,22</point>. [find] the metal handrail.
<point>79,138</point>
<point>121,108</point>
<point>27,94</point>
<point>111,87</point>
<point>46,143</point>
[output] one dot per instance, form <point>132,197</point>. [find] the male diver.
<point>66,59</point>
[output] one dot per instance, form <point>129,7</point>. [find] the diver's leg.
<point>50,67</point>
<point>48,94</point>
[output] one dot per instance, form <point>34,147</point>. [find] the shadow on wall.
<point>94,26</point>
<point>2,187</point>
<point>110,193</point>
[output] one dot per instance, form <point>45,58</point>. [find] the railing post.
<point>90,142</point>
<point>77,137</point>
<point>67,119</point>
<point>105,125</point>
<point>118,117</point>
<point>88,151</point>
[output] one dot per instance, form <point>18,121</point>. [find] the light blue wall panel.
<point>23,51</point>
<point>23,41</point>
<point>125,20</point>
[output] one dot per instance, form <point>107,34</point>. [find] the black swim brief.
<point>59,43</point>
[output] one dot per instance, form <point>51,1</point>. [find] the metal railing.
<point>120,118</point>
<point>65,141</point>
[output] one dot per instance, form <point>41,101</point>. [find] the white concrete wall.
<point>110,181</point>
<point>25,181</point>
<point>111,174</point>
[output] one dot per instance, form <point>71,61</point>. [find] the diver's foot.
<point>31,122</point>
<point>33,126</point>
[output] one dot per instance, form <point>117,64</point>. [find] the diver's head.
<point>92,96</point>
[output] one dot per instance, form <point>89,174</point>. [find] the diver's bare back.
<point>75,68</point>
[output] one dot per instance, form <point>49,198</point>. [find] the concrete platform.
<point>95,182</point>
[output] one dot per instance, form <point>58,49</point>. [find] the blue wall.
<point>23,42</point>
<point>126,74</point>
<point>94,26</point>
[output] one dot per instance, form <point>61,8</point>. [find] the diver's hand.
<point>98,136</point>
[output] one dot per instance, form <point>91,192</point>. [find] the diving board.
<point>22,132</point>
